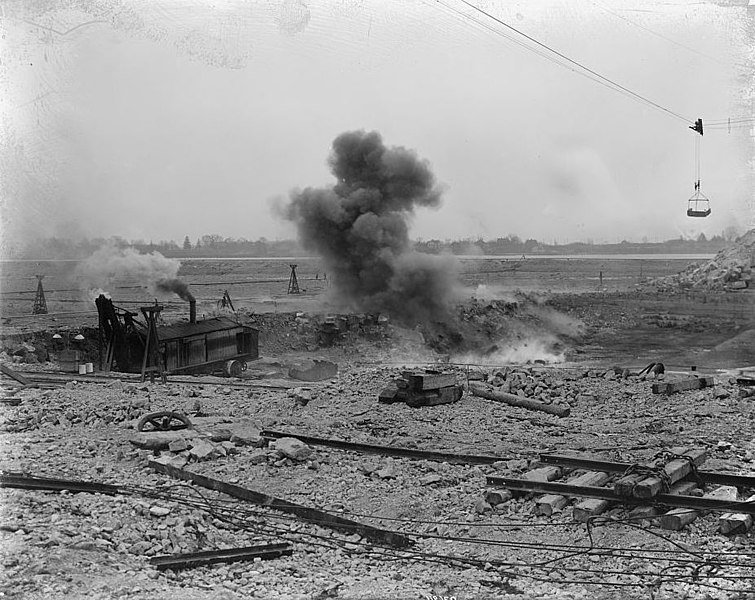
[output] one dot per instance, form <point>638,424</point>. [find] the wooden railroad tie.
<point>695,383</point>
<point>669,482</point>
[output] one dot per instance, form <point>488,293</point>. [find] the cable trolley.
<point>698,205</point>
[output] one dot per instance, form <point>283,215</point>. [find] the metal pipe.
<point>192,311</point>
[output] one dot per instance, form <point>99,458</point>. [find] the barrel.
<point>234,368</point>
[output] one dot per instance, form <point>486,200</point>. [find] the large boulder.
<point>293,448</point>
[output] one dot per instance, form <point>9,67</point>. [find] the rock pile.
<point>730,269</point>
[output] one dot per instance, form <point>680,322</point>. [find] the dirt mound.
<point>730,269</point>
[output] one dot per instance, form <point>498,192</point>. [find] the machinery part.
<point>163,421</point>
<point>234,368</point>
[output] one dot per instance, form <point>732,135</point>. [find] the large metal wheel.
<point>163,421</point>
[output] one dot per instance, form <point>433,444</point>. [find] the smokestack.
<point>192,311</point>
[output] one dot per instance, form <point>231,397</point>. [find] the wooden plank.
<point>678,518</point>
<point>446,395</point>
<point>674,471</point>
<point>735,522</point>
<point>485,391</point>
<point>199,559</point>
<point>14,375</point>
<point>672,387</point>
<point>313,515</point>
<point>422,382</point>
<point>550,503</point>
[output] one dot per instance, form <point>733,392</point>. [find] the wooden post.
<point>485,391</point>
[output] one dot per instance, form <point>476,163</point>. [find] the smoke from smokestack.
<point>176,286</point>
<point>109,263</point>
<point>359,226</point>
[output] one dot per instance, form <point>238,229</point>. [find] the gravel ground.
<point>63,545</point>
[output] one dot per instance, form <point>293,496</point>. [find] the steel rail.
<point>111,376</point>
<point>25,482</point>
<point>312,515</point>
<point>677,501</point>
<point>448,457</point>
<point>591,464</point>
<point>198,559</point>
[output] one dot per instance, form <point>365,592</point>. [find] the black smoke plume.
<point>176,286</point>
<point>359,226</point>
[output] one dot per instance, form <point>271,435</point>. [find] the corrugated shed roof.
<point>172,332</point>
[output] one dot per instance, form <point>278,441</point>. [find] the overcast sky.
<point>158,119</point>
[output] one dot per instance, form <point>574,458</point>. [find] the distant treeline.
<point>514,245</point>
<point>210,246</point>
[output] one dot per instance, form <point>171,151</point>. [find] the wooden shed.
<point>218,342</point>
<point>207,346</point>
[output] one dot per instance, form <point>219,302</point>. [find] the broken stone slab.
<point>247,435</point>
<point>302,396</point>
<point>387,471</point>
<point>549,473</point>
<point>589,507</point>
<point>731,523</point>
<point>494,498</point>
<point>220,434</point>
<point>313,370</point>
<point>160,440</point>
<point>389,395</point>
<point>179,445</point>
<point>293,448</point>
<point>172,460</point>
<point>203,450</point>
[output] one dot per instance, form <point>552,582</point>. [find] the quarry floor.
<point>92,546</point>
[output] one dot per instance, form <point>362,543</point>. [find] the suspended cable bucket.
<point>698,205</point>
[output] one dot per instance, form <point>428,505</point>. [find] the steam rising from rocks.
<point>109,263</point>
<point>359,226</point>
